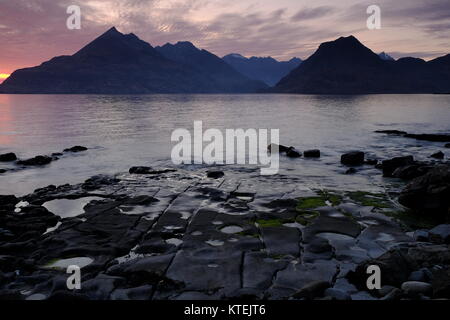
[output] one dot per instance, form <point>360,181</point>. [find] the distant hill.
<point>116,63</point>
<point>266,69</point>
<point>209,66</point>
<point>345,66</point>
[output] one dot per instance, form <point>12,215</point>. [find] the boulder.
<point>447,145</point>
<point>353,158</point>
<point>400,262</point>
<point>351,171</point>
<point>8,200</point>
<point>419,275</point>
<point>415,288</point>
<point>392,132</point>
<point>149,170</point>
<point>411,171</point>
<point>281,148</point>
<point>430,137</point>
<point>441,283</point>
<point>76,149</point>
<point>389,166</point>
<point>293,153</point>
<point>430,192</point>
<point>6,157</point>
<point>314,153</point>
<point>36,161</point>
<point>421,235</point>
<point>140,170</point>
<point>438,155</point>
<point>440,234</point>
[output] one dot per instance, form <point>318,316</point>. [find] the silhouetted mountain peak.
<point>114,45</point>
<point>295,60</point>
<point>111,32</point>
<point>384,56</point>
<point>346,66</point>
<point>342,43</point>
<point>234,55</point>
<point>344,51</point>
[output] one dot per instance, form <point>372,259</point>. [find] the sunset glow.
<point>4,76</point>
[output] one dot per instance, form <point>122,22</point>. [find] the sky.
<point>34,31</point>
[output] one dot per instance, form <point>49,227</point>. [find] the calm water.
<point>135,130</point>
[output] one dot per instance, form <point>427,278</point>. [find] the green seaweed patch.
<point>413,220</point>
<point>305,217</point>
<point>270,223</point>
<point>333,198</point>
<point>323,199</point>
<point>310,203</point>
<point>248,234</point>
<point>367,199</point>
<point>264,223</point>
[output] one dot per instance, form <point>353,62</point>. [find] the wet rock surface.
<point>353,158</point>
<point>226,232</point>
<point>429,193</point>
<point>181,235</point>
<point>7,157</point>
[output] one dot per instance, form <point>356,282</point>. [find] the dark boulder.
<point>281,148</point>
<point>440,234</point>
<point>36,161</point>
<point>293,153</point>
<point>447,145</point>
<point>438,155</point>
<point>390,165</point>
<point>314,153</point>
<point>441,283</point>
<point>8,200</point>
<point>215,174</point>
<point>140,170</point>
<point>430,192</point>
<point>392,132</point>
<point>98,181</point>
<point>353,158</point>
<point>149,170</point>
<point>6,157</point>
<point>76,149</point>
<point>351,171</point>
<point>395,266</point>
<point>411,171</point>
<point>430,137</point>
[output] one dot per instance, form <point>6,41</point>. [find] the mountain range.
<point>346,66</point>
<point>265,69</point>
<point>116,63</point>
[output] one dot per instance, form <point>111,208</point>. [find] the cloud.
<point>35,30</point>
<point>312,13</point>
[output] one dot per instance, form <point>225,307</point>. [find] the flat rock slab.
<point>281,241</point>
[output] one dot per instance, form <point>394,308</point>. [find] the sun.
<point>4,76</point>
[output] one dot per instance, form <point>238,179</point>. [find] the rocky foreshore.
<point>227,232</point>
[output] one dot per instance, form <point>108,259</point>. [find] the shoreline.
<point>212,234</point>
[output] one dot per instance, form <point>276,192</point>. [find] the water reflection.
<point>123,131</point>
